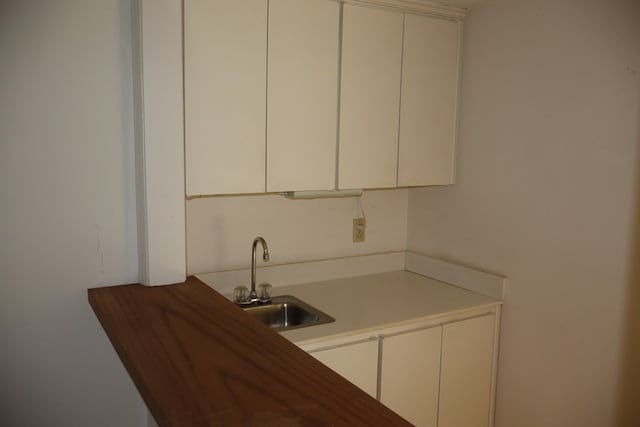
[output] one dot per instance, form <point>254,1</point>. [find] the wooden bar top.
<point>198,360</point>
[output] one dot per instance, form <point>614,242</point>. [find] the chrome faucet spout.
<point>253,295</point>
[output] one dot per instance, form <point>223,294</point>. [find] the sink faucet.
<point>253,295</point>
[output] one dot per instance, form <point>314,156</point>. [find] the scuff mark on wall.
<point>99,251</point>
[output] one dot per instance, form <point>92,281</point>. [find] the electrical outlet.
<point>359,226</point>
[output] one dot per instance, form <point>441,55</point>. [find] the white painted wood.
<point>357,362</point>
<point>418,364</point>
<point>467,278</point>
<point>429,101</point>
<point>302,97</point>
<point>157,52</point>
<point>370,97</point>
<point>151,422</point>
<point>494,366</point>
<point>466,373</point>
<point>410,375</point>
<point>452,9</point>
<point>225,51</point>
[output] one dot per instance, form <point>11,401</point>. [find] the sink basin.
<point>287,312</point>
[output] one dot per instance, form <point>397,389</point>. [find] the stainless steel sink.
<point>287,312</point>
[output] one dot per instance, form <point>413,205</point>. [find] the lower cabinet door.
<point>410,375</point>
<point>357,362</point>
<point>465,382</point>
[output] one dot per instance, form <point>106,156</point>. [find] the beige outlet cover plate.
<point>359,227</point>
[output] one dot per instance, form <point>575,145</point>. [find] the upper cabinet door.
<point>429,100</point>
<point>225,54</point>
<point>370,97</point>
<point>302,94</point>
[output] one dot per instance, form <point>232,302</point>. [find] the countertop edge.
<point>154,331</point>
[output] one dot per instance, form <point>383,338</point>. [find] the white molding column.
<point>159,128</point>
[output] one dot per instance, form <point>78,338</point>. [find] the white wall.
<point>547,161</point>
<point>546,174</point>
<point>220,230</point>
<point>67,219</point>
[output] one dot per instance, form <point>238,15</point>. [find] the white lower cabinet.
<point>410,375</point>
<point>357,362</point>
<point>438,376</point>
<point>466,373</point>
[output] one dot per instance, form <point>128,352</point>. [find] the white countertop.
<point>370,292</point>
<point>373,301</point>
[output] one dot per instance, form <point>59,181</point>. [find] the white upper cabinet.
<point>302,94</point>
<point>370,97</point>
<point>429,99</point>
<point>286,95</point>
<point>225,54</point>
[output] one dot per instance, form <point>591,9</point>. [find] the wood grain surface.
<point>198,360</point>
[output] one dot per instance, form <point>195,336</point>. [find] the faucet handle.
<point>265,292</point>
<point>241,295</point>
